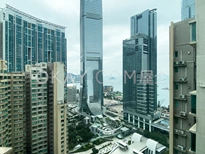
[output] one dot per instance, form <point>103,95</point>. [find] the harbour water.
<point>162,87</point>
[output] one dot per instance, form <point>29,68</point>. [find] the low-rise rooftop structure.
<point>138,145</point>
<point>5,150</point>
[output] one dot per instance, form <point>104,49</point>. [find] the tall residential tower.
<point>25,39</point>
<point>140,63</point>
<point>187,110</point>
<point>182,85</point>
<point>91,53</point>
<point>12,109</point>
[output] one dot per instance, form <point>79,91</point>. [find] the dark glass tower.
<point>140,60</point>
<point>91,52</point>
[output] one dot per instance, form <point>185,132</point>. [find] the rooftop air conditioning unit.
<point>182,96</point>
<point>182,132</point>
<point>176,131</point>
<point>182,113</point>
<point>176,62</point>
<point>182,62</point>
<point>183,79</point>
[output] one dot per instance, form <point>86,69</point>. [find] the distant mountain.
<point>162,78</point>
<point>72,78</point>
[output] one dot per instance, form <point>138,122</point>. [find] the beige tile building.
<point>12,109</point>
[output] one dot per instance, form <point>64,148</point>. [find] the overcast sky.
<point>116,26</point>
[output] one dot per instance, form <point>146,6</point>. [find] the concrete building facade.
<point>182,84</point>
<point>200,89</point>
<point>194,142</point>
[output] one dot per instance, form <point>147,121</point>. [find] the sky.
<point>116,27</point>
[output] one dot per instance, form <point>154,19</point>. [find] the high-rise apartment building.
<point>37,108</point>
<point>25,39</point>
<point>91,56</point>
<point>198,128</point>
<point>57,110</point>
<point>46,109</point>
<point>187,110</point>
<point>140,69</point>
<point>183,80</point>
<point>5,136</point>
<point>12,112</point>
<point>187,9</point>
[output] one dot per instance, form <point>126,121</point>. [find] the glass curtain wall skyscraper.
<point>91,53</point>
<point>140,60</point>
<point>26,39</point>
<point>187,9</point>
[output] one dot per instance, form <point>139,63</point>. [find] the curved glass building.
<point>91,52</point>
<point>25,39</point>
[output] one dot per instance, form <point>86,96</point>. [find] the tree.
<point>95,151</point>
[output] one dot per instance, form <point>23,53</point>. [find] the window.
<point>176,53</point>
<point>176,120</point>
<point>193,104</point>
<point>176,69</point>
<point>49,56</point>
<point>193,32</point>
<point>29,25</point>
<point>193,142</point>
<point>29,53</point>
<point>176,86</point>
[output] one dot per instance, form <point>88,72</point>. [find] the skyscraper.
<point>139,69</point>
<point>91,56</point>
<point>187,9</point>
<point>25,39</point>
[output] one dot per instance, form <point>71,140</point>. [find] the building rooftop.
<point>5,150</point>
<point>162,124</point>
<point>139,144</point>
<point>32,17</point>
<point>124,129</point>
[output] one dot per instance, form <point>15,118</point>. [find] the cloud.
<point>116,20</point>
